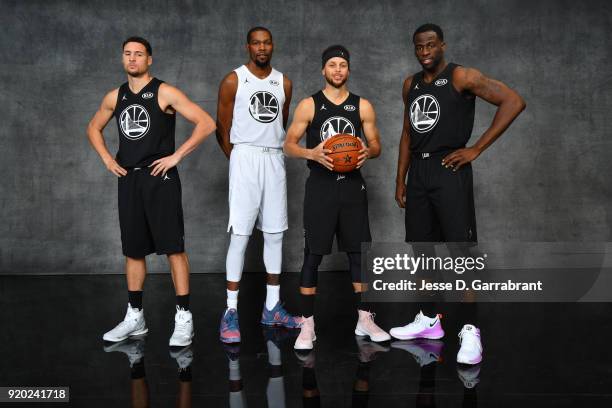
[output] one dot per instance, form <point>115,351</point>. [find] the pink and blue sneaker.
<point>422,327</point>
<point>229,330</point>
<point>278,316</point>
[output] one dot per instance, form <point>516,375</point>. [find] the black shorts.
<point>151,213</point>
<point>335,204</point>
<point>439,202</point>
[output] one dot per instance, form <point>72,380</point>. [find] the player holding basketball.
<point>252,114</point>
<point>150,208</point>
<point>334,203</point>
<point>439,198</point>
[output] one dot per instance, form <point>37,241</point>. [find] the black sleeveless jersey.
<point>330,120</point>
<point>440,117</point>
<point>146,133</point>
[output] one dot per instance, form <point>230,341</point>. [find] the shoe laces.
<point>369,322</point>
<point>417,320</point>
<point>230,320</point>
<point>473,337</point>
<point>306,325</point>
<point>282,312</point>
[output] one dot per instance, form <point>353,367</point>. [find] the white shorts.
<point>257,190</point>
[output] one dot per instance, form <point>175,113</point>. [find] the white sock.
<point>274,354</point>
<point>237,399</point>
<point>232,299</point>
<point>275,392</point>
<point>272,296</point>
<point>234,370</point>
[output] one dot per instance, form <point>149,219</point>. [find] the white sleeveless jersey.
<point>258,109</point>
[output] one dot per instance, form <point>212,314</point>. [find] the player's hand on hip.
<point>115,168</point>
<point>400,194</point>
<point>320,155</point>
<point>161,166</point>
<point>460,157</point>
<point>364,154</point>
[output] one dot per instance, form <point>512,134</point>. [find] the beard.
<point>262,64</point>
<point>335,85</point>
<point>137,73</point>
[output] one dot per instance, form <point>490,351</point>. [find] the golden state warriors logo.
<point>263,106</point>
<point>424,113</point>
<point>134,122</point>
<point>336,125</point>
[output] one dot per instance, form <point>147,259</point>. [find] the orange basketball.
<point>344,151</point>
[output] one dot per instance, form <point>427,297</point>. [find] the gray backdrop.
<point>547,179</point>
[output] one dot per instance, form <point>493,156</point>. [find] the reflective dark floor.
<point>541,355</point>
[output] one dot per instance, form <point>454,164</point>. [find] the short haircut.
<point>258,28</point>
<point>141,41</point>
<point>429,27</point>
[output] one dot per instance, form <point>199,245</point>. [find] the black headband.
<point>335,51</point>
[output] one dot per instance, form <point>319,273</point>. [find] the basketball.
<point>344,151</point>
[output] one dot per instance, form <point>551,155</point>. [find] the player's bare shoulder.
<point>366,110</point>
<point>466,78</point>
<point>406,88</point>
<point>109,102</point>
<point>305,109</point>
<point>229,83</point>
<point>168,96</point>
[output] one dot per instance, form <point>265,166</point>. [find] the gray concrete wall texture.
<point>546,179</point>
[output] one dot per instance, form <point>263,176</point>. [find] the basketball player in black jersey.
<point>334,203</point>
<point>150,208</point>
<point>438,196</point>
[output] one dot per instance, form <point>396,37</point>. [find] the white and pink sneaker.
<point>367,327</point>
<point>422,327</point>
<point>471,346</point>
<point>307,334</point>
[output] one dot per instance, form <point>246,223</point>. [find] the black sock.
<point>182,301</point>
<point>184,374</point>
<point>135,298</point>
<point>361,305</point>
<point>137,370</point>
<point>307,305</point>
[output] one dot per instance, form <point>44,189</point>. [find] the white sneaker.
<point>183,328</point>
<point>133,348</point>
<point>183,357</point>
<point>307,335</point>
<point>133,324</point>
<point>367,327</point>
<point>469,376</point>
<point>471,346</point>
<point>422,327</point>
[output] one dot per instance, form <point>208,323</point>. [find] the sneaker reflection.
<point>367,351</point>
<point>134,349</point>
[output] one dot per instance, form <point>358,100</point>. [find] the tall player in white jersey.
<point>252,115</point>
